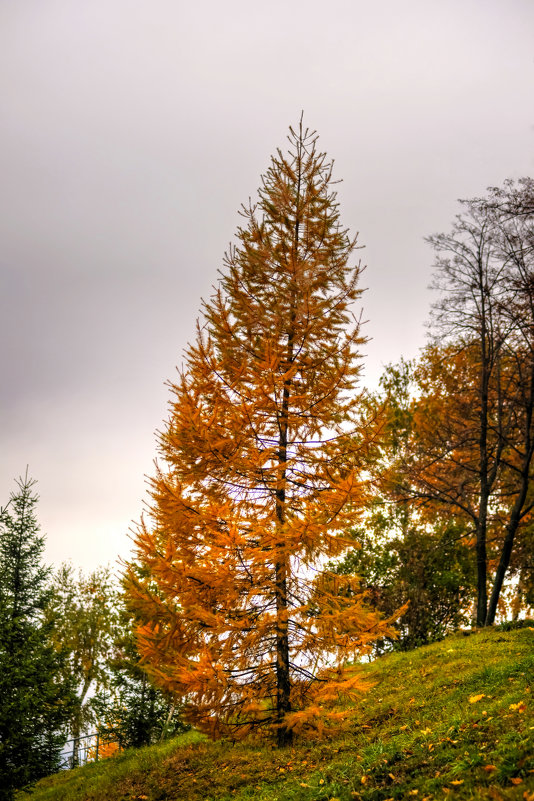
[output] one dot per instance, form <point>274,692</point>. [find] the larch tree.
<point>262,471</point>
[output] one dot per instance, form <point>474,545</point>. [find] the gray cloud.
<point>131,131</point>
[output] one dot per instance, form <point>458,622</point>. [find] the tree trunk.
<point>283,679</point>
<point>511,530</point>
<point>482,520</point>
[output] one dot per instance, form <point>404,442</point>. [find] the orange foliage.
<point>105,750</point>
<point>262,472</point>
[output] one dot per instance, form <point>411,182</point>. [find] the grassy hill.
<point>451,720</point>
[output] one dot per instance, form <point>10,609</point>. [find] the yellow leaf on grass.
<point>520,707</point>
<point>457,782</point>
<point>364,779</point>
<point>475,698</point>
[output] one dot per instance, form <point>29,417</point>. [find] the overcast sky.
<point>130,133</point>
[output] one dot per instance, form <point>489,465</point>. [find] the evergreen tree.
<point>263,472</point>
<point>34,700</point>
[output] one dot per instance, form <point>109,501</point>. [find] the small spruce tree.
<point>35,702</point>
<point>262,472</point>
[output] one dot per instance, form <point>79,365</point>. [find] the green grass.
<point>422,732</point>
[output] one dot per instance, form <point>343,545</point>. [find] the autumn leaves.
<point>270,455</point>
<point>261,475</point>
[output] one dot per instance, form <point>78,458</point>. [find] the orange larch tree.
<point>262,471</point>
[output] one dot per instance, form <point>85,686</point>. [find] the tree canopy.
<point>261,473</point>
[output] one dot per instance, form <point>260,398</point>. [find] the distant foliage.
<point>430,568</point>
<point>131,708</point>
<point>86,612</point>
<point>476,409</point>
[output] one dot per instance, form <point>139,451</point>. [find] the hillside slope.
<point>450,720</point>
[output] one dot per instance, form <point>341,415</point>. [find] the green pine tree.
<point>34,700</point>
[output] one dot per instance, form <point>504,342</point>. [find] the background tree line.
<point>68,663</point>
<point>450,526</point>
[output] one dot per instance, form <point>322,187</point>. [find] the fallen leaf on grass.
<point>457,782</point>
<point>520,707</point>
<point>475,698</point>
<point>528,796</point>
<point>364,779</point>
<point>517,780</point>
<point>489,768</point>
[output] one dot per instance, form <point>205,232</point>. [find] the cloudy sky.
<point>130,133</point>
